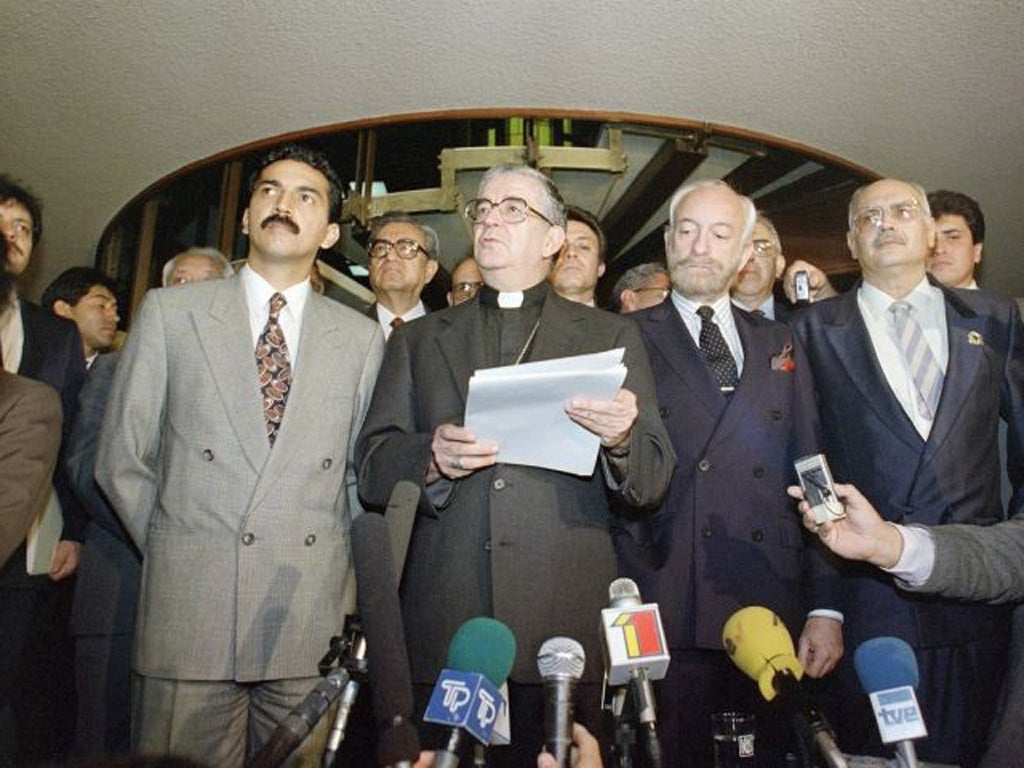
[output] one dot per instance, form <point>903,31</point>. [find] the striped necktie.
<point>919,358</point>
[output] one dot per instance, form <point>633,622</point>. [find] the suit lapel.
<point>562,330</point>
<point>964,329</point>
<point>461,345</point>
<point>669,335</point>
<point>224,335</point>
<point>753,382</point>
<point>851,345</point>
<point>31,350</point>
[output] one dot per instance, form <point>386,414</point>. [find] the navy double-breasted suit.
<point>727,535</point>
<point>952,477</point>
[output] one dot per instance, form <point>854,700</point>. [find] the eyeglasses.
<point>872,218</point>
<point>512,210</point>
<point>404,249</point>
<point>466,290</point>
<point>764,248</point>
<point>662,291</point>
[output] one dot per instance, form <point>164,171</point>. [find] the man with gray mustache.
<point>911,380</point>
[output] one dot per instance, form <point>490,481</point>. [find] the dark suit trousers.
<point>37,692</point>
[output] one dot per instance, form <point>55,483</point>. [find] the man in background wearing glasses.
<point>529,546</point>
<point>753,287</point>
<point>403,259</point>
<point>640,287</point>
<point>911,380</point>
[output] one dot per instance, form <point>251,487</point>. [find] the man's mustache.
<point>279,219</point>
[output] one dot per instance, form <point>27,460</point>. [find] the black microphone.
<point>291,731</point>
<point>400,517</point>
<point>560,661</point>
<point>381,615</point>
<point>760,645</point>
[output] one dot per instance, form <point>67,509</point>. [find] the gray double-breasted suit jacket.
<point>246,569</point>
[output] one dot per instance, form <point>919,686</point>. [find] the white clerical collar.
<point>510,299</point>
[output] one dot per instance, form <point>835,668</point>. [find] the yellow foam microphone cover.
<point>760,645</point>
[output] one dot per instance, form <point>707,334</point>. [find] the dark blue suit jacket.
<point>953,477</point>
<point>727,535</point>
<point>53,354</point>
<point>107,587</point>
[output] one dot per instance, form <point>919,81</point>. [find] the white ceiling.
<point>103,97</point>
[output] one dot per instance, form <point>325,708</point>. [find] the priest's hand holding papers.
<point>554,414</point>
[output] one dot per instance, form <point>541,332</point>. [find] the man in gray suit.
<point>530,546</point>
<point>226,452</point>
<point>964,562</point>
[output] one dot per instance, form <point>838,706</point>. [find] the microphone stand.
<point>349,652</point>
<point>617,701</point>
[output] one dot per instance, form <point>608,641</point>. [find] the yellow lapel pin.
<point>973,337</point>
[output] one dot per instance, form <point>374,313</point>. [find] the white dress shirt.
<point>723,319</point>
<point>385,316</point>
<point>12,336</point>
<point>930,312</point>
<point>918,557</point>
<point>257,296</point>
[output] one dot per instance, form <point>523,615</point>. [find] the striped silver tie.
<point>920,360</point>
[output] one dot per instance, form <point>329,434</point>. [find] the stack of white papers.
<point>43,537</point>
<point>521,408</point>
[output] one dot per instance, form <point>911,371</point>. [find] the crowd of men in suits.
<point>212,468</point>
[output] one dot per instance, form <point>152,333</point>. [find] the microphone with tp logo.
<point>887,669</point>
<point>560,662</point>
<point>760,645</point>
<point>635,654</point>
<point>466,696</point>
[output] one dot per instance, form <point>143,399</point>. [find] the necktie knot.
<point>705,313</point>
<point>277,302</point>
<point>396,321</point>
<point>900,312</point>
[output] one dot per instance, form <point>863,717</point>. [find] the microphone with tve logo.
<point>760,645</point>
<point>635,654</point>
<point>887,669</point>
<point>466,696</point>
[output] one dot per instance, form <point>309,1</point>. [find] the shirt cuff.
<point>918,558</point>
<point>825,613</point>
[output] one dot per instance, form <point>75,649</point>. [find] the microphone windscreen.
<point>485,646</point>
<point>390,680</point>
<point>759,644</point>
<point>561,657</point>
<point>883,663</point>
<point>623,593</point>
<point>401,517</point>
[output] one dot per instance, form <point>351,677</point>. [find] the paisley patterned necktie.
<point>275,368</point>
